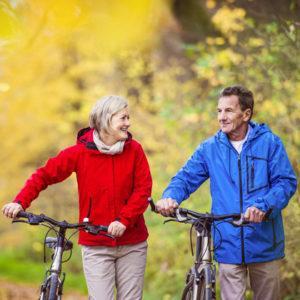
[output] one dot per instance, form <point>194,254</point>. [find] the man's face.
<point>233,121</point>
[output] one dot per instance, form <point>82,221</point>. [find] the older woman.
<point>114,183</point>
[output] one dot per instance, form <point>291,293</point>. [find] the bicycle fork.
<point>53,274</point>
<point>204,272</point>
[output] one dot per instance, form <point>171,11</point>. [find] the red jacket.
<point>111,187</point>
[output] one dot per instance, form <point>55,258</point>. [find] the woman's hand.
<point>116,229</point>
<point>11,210</point>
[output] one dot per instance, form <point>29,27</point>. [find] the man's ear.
<point>247,114</point>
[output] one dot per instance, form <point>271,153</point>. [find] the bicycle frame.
<point>52,286</point>
<point>200,282</point>
<point>203,268</point>
<point>56,268</point>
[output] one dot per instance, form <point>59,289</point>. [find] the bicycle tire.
<point>188,292</point>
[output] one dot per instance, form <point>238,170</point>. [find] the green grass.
<point>17,269</point>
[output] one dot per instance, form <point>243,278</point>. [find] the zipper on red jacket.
<point>113,183</point>
<point>241,210</point>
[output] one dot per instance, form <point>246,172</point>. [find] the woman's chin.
<point>123,137</point>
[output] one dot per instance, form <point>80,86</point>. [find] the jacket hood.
<point>85,137</point>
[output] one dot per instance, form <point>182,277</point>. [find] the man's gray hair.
<point>103,111</point>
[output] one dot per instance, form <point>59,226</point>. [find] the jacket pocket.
<point>257,173</point>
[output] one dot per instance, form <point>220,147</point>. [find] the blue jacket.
<point>260,176</point>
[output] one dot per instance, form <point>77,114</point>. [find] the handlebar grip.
<point>268,212</point>
<point>152,205</point>
<point>94,229</point>
<point>23,214</point>
<point>103,228</point>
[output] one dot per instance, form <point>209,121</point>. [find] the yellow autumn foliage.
<point>58,57</point>
<point>228,20</point>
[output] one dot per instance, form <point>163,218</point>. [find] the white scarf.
<point>111,150</point>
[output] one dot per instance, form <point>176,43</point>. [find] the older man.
<point>250,173</point>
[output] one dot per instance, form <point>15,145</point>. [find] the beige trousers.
<point>264,280</point>
<point>107,268</point>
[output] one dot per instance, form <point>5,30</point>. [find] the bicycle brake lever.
<point>179,217</point>
<point>170,220</point>
<point>240,222</point>
<point>108,235</point>
<point>19,221</point>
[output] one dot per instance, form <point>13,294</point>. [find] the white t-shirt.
<point>238,145</point>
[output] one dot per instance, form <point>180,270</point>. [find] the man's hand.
<point>116,229</point>
<point>166,207</point>
<point>11,210</point>
<point>254,214</point>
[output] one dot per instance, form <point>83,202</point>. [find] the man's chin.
<point>224,130</point>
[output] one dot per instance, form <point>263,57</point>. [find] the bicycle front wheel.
<point>194,291</point>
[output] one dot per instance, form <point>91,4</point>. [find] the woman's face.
<point>119,125</point>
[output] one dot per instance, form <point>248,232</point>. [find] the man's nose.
<point>222,115</point>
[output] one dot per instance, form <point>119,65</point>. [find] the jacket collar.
<point>257,130</point>
<point>85,137</point>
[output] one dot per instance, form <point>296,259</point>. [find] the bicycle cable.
<point>46,235</point>
<point>191,239</point>
<point>219,232</point>
<point>216,229</point>
<point>199,223</point>
<point>51,227</point>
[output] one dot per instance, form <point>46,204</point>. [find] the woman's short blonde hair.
<point>103,111</point>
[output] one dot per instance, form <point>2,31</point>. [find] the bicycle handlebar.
<point>34,219</point>
<point>183,214</point>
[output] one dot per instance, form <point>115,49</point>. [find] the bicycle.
<point>201,278</point>
<point>52,286</point>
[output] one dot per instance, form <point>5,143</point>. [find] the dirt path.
<point>11,291</point>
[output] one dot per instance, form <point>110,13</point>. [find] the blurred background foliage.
<point>170,58</point>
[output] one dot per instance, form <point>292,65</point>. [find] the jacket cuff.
<point>123,221</point>
<point>260,204</point>
<point>20,202</point>
<point>263,205</point>
<point>169,195</point>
